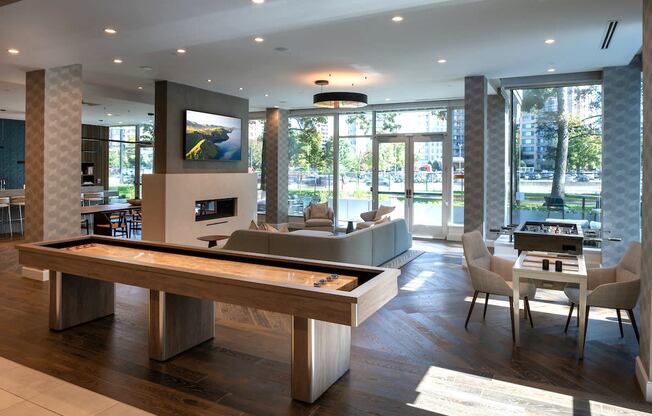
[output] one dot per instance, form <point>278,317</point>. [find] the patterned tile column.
<point>496,165</point>
<point>53,153</point>
<point>621,159</point>
<point>643,367</point>
<point>475,129</point>
<point>276,161</point>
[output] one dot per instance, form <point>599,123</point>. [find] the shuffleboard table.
<point>324,299</point>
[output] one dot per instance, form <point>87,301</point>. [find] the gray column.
<point>496,165</point>
<point>53,153</point>
<point>643,368</point>
<point>276,161</point>
<point>621,159</point>
<point>475,129</point>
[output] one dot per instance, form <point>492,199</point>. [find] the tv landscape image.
<point>212,137</point>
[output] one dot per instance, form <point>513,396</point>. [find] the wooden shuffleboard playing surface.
<point>229,267</point>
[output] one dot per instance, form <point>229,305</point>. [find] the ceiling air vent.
<point>609,34</point>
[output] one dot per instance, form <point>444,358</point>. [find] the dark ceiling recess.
<point>609,34</point>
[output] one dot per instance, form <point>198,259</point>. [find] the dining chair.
<point>616,287</point>
<point>492,275</point>
<point>117,223</point>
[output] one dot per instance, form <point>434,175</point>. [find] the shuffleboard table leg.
<point>321,354</point>
<point>76,300</point>
<point>178,323</point>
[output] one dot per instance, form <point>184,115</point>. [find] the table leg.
<point>321,354</point>
<point>516,298</point>
<point>178,323</point>
<point>582,318</point>
<point>76,300</point>
<point>349,227</point>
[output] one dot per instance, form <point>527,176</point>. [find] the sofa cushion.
<point>382,241</point>
<point>319,222</point>
<point>319,210</point>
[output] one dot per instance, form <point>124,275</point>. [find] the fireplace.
<point>211,209</point>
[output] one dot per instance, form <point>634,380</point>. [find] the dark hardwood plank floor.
<point>413,357</point>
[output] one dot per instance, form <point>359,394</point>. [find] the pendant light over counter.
<point>341,99</point>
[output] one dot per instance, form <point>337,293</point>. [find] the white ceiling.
<point>349,39</point>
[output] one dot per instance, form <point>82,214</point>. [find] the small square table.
<point>529,266</point>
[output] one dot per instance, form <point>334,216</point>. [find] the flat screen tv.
<point>212,137</point>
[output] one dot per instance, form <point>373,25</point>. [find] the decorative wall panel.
<point>276,160</point>
<point>475,128</point>
<point>496,165</point>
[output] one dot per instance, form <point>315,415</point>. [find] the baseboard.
<point>36,274</point>
<point>643,380</point>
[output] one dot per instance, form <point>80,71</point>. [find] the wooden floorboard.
<point>413,357</point>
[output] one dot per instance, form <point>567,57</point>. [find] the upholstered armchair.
<point>615,287</point>
<point>374,217</point>
<point>319,217</point>
<point>493,276</point>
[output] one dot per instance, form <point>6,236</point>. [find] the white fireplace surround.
<point>169,205</point>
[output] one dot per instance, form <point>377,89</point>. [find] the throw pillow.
<point>283,228</point>
<point>253,226</point>
<point>383,211</point>
<point>319,211</point>
<point>382,220</point>
<point>270,228</point>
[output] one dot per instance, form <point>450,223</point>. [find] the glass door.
<point>411,173</point>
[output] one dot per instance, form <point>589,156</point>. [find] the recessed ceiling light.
<point>140,88</point>
<point>241,88</point>
<point>387,99</point>
<point>258,1</point>
<point>275,106</point>
<point>551,69</point>
<point>13,51</point>
<point>117,60</point>
<point>259,39</point>
<point>441,61</point>
<point>181,51</point>
<point>209,80</point>
<point>110,30</point>
<point>119,122</point>
<point>549,41</point>
<point>109,114</point>
<point>266,95</point>
<point>397,19</point>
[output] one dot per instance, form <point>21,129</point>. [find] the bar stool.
<point>19,201</point>
<point>5,204</point>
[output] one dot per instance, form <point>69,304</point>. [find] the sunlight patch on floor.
<point>414,284</point>
<point>450,392</point>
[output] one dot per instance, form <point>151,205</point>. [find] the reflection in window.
<point>558,174</point>
<point>122,160</point>
<point>413,121</point>
<point>458,166</point>
<point>310,176</point>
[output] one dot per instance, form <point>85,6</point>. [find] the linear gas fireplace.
<point>211,209</point>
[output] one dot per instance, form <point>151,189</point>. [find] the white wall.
<point>169,205</point>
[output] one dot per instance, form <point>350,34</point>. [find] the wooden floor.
<point>413,357</point>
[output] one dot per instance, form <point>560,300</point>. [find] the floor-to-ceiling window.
<point>310,175</point>
<point>256,135</point>
<point>354,166</point>
<point>557,154</point>
<point>458,166</point>
<point>131,154</point>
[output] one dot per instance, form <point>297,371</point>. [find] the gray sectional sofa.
<point>372,246</point>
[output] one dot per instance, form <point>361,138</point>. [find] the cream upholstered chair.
<point>493,276</point>
<point>371,218</point>
<point>615,287</point>
<point>319,217</point>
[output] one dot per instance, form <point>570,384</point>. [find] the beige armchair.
<point>615,287</point>
<point>319,217</point>
<point>371,218</point>
<point>493,276</point>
